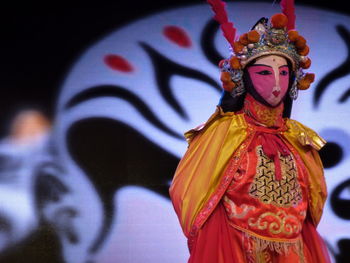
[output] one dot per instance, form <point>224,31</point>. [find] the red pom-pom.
<point>253,36</point>
<point>234,63</point>
<point>237,47</point>
<point>243,39</point>
<point>225,77</point>
<point>293,35</point>
<point>300,43</point>
<point>305,64</point>
<point>303,85</point>
<point>310,77</point>
<point>279,21</point>
<point>227,82</point>
<point>229,86</point>
<point>305,51</point>
<point>306,81</point>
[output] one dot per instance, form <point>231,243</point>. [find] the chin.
<point>274,101</point>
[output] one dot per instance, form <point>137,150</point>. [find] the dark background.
<point>41,40</point>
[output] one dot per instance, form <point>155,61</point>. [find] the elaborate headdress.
<point>277,38</point>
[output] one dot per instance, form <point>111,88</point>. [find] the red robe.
<point>250,188</point>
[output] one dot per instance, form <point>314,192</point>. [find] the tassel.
<point>283,248</point>
<point>227,27</point>
<point>288,9</point>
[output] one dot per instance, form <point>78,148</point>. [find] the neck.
<point>262,115</point>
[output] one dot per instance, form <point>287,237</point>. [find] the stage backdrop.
<point>121,113</point>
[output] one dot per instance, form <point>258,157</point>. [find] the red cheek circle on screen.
<point>178,36</point>
<point>118,63</point>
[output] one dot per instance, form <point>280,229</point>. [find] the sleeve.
<point>199,171</point>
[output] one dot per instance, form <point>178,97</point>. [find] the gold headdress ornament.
<point>277,38</point>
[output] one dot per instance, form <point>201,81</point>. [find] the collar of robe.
<point>268,124</point>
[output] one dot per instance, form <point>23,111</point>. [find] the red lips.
<point>276,93</point>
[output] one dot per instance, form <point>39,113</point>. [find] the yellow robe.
<point>202,177</point>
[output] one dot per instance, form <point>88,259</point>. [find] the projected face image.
<point>33,210</point>
<point>126,102</point>
<point>21,153</point>
<point>17,213</point>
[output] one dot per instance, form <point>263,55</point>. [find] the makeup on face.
<point>270,78</point>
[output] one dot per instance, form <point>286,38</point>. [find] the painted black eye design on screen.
<point>113,145</point>
<point>331,154</point>
<point>341,71</point>
<point>334,154</point>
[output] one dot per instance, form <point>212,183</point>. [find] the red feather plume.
<point>219,8</point>
<point>288,9</point>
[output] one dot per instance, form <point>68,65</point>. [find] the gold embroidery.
<point>282,193</point>
<point>236,211</point>
<point>263,257</point>
<point>267,116</point>
<point>276,223</point>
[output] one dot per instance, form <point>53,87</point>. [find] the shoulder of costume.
<point>218,117</point>
<point>304,139</point>
<point>303,134</point>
